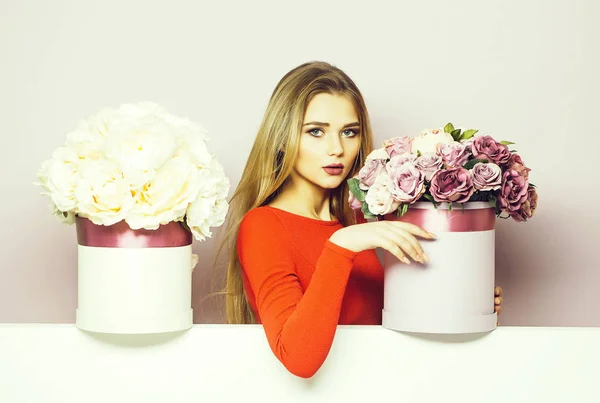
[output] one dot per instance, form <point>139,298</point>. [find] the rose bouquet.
<point>449,165</point>
<point>137,164</point>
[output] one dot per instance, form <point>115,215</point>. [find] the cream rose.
<point>428,141</point>
<point>379,197</point>
<point>378,154</point>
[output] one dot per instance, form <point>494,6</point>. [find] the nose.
<point>335,146</point>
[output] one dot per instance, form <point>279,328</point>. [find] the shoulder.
<point>260,216</point>
<point>261,222</point>
<point>261,232</point>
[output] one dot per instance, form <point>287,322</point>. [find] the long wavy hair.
<point>272,159</point>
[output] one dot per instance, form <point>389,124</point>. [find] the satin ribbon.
<point>120,235</point>
<point>444,220</point>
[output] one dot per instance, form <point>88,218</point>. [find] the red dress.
<point>301,285</point>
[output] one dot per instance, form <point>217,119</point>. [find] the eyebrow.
<point>353,124</point>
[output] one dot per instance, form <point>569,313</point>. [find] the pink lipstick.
<point>334,169</point>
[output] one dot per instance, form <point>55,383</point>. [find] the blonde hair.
<point>272,159</point>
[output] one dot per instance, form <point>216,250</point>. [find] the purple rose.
<point>486,176</point>
<point>454,154</point>
<point>398,145</point>
<point>408,183</point>
<point>513,192</point>
<point>354,203</point>
<point>528,207</point>
<point>452,185</point>
<point>515,162</point>
<point>429,164</point>
<point>485,147</point>
<point>369,172</point>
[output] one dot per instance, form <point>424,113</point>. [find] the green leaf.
<point>353,184</point>
<point>467,134</point>
<point>455,134</point>
<point>449,128</point>
<point>419,153</point>
<point>450,206</point>
<point>404,209</point>
<point>506,143</point>
<point>366,212</point>
<point>470,164</point>
<point>431,199</point>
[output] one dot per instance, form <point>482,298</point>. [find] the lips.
<point>334,169</point>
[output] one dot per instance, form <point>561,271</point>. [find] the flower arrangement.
<point>446,165</point>
<point>140,164</point>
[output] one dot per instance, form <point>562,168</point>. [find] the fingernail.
<point>405,260</point>
<point>432,235</point>
<point>426,257</point>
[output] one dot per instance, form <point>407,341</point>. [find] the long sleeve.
<point>299,324</point>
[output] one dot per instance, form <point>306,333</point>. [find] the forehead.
<point>330,108</point>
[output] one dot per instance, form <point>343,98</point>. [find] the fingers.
<point>498,300</point>
<point>413,229</point>
<point>402,240</point>
<point>498,309</point>
<point>497,291</point>
<point>395,250</point>
<point>413,244</point>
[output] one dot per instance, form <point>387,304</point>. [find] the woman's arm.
<point>299,325</point>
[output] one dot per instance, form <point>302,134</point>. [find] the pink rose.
<point>398,145</point>
<point>354,203</point>
<point>515,162</point>
<point>486,176</point>
<point>452,185</point>
<point>399,160</point>
<point>408,183</point>
<point>369,172</point>
<point>454,154</point>
<point>429,164</point>
<point>513,192</point>
<point>379,196</point>
<point>528,207</point>
<point>485,147</point>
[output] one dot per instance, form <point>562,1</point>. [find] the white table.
<point>47,363</point>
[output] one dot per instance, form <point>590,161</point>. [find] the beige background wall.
<point>524,71</point>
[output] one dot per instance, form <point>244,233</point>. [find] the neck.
<point>305,199</point>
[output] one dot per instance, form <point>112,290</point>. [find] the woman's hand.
<point>498,301</point>
<point>395,236</point>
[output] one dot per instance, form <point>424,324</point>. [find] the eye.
<point>349,132</point>
<point>316,132</point>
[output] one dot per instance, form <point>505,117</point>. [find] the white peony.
<point>428,141</point>
<point>140,147</point>
<point>103,193</point>
<point>166,197</point>
<point>210,208</point>
<point>59,177</point>
<point>140,164</point>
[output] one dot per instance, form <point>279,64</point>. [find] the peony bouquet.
<point>448,165</point>
<point>137,164</point>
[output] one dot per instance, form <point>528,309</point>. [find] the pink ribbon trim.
<point>120,235</point>
<point>444,220</point>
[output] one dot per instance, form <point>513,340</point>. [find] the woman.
<point>300,264</point>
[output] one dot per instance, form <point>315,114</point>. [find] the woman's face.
<point>329,142</point>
